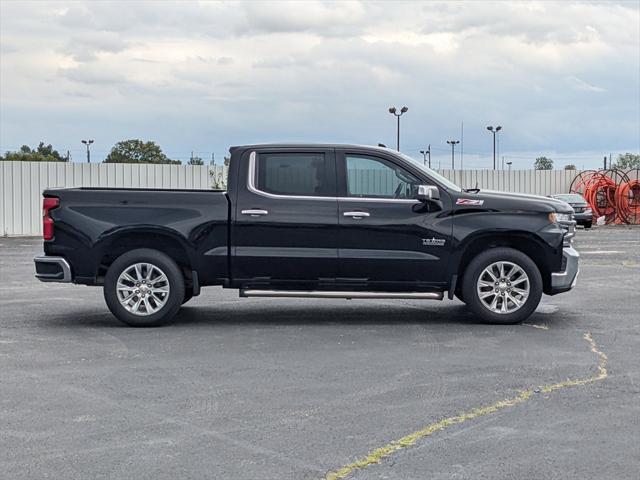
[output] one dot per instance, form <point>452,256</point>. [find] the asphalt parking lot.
<point>298,389</point>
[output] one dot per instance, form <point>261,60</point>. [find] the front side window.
<point>370,177</point>
<point>306,174</point>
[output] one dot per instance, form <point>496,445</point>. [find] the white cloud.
<point>220,73</point>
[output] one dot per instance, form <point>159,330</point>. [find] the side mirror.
<point>427,193</point>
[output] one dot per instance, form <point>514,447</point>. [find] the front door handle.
<point>356,215</point>
<point>255,212</point>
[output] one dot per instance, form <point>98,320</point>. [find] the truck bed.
<point>93,224</point>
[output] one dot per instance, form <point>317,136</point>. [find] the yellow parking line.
<point>377,455</point>
<point>541,327</point>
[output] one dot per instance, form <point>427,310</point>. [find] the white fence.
<point>537,182</point>
<point>22,183</point>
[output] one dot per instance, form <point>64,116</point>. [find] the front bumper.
<point>583,217</point>
<point>566,280</point>
<point>53,269</point>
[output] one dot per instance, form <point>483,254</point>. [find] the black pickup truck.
<point>330,221</point>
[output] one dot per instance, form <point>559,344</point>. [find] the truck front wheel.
<point>144,288</point>
<point>502,285</point>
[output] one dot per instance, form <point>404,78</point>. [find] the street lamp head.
<point>392,110</point>
<point>422,152</point>
<point>509,163</point>
<point>498,128</point>
<point>490,128</point>
<point>404,109</point>
<point>84,141</point>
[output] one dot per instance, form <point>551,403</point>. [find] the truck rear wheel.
<point>502,286</point>
<point>144,288</point>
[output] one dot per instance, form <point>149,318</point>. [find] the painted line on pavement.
<point>378,455</point>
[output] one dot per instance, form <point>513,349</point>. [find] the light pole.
<point>88,143</point>
<point>425,153</point>
<point>394,111</point>
<point>509,165</point>
<point>494,131</point>
<point>453,144</point>
<point>509,176</point>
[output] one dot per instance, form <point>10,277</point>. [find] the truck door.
<point>388,239</point>
<point>286,219</point>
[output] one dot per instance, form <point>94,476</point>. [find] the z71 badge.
<point>469,201</point>
<point>433,242</point>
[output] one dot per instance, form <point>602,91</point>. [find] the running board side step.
<point>337,294</point>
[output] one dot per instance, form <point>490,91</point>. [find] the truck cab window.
<point>294,174</point>
<point>370,177</point>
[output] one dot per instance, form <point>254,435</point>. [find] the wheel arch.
<point>525,242</point>
<point>125,240</point>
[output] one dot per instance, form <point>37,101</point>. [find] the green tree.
<point>570,166</point>
<point>627,161</point>
<point>543,163</point>
<point>42,153</point>
<point>137,151</point>
<point>195,161</point>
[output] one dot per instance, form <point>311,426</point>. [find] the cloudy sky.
<point>563,78</point>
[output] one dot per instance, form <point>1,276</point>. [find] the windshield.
<point>432,173</point>
<point>570,197</point>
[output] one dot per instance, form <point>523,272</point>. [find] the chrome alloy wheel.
<point>143,289</point>
<point>503,287</point>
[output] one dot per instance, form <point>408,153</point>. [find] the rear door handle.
<point>255,212</point>
<point>356,215</point>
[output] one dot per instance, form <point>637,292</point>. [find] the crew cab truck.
<point>330,221</point>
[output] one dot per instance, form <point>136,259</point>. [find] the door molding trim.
<point>286,252</point>
<point>360,253</point>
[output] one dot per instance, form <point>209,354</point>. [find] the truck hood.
<point>520,201</point>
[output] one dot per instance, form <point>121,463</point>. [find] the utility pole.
<point>461,145</point>
<point>394,111</point>
<point>88,144</point>
<point>426,153</point>
<point>605,163</point>
<point>453,144</point>
<point>213,158</point>
<point>502,162</point>
<point>494,131</point>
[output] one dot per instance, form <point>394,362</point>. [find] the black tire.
<point>588,225</point>
<point>477,266</point>
<point>175,281</point>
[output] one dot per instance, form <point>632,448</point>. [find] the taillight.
<point>48,204</point>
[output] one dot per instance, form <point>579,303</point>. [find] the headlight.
<point>588,210</point>
<point>563,217</point>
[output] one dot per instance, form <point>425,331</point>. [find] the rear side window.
<point>307,174</point>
